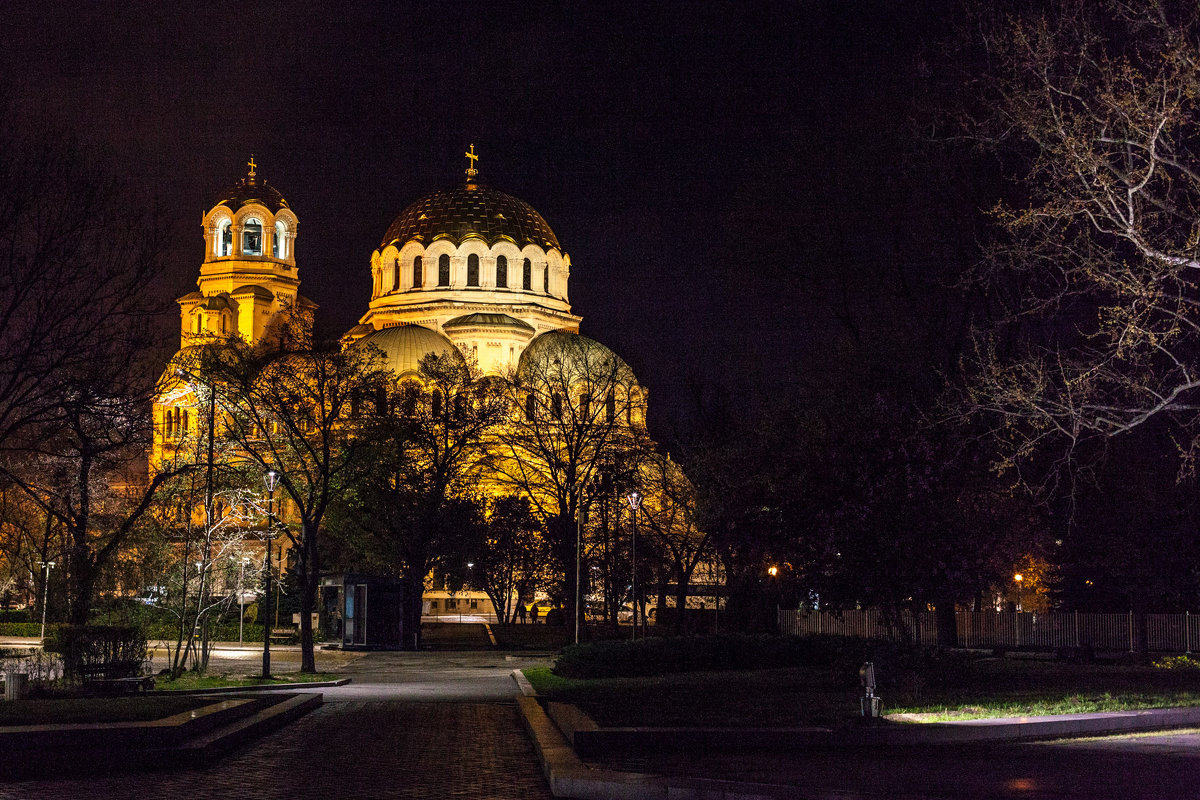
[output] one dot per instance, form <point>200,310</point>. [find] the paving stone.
<point>372,750</point>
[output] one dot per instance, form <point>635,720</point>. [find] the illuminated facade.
<point>468,271</point>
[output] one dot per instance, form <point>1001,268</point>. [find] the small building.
<point>363,612</point>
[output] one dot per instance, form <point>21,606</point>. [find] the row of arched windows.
<point>585,407</point>
<point>443,275</point>
<point>175,422</point>
<point>251,238</point>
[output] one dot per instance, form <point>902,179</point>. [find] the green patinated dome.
<point>404,346</point>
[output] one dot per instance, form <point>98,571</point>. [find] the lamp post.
<point>46,567</point>
<point>578,549</point>
<point>1019,579</point>
<point>635,502</point>
<point>270,479</point>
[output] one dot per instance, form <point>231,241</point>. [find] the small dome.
<point>487,320</point>
<point>583,355</point>
<point>405,345</point>
<point>471,211</point>
<point>251,190</point>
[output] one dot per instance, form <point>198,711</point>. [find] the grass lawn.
<point>190,680</point>
<point>818,696</point>
<point>99,709</point>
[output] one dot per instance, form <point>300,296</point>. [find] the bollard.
<point>870,703</point>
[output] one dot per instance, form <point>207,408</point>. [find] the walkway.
<point>411,725</point>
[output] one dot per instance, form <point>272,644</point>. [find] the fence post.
<point>1017,627</point>
<point>1076,630</point>
<point>819,615</point>
<point>1131,631</point>
<point>1187,632</point>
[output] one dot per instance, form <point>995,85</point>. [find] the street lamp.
<point>46,566</point>
<point>1019,580</point>
<point>271,480</point>
<point>635,502</point>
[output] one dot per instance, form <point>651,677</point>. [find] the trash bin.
<point>16,685</point>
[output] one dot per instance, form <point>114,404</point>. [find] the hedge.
<point>15,615</point>
<point>661,655</point>
<point>92,651</point>
<point>33,629</point>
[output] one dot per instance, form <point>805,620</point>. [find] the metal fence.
<point>1176,633</point>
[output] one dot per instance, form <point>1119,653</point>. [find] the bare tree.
<point>416,493</point>
<point>577,412</point>
<point>78,255</point>
<point>287,406</point>
<point>669,514</point>
<point>1097,264</point>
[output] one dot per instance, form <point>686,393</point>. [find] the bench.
<point>134,685</point>
<point>283,635</point>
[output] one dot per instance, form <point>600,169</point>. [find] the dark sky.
<point>678,150</point>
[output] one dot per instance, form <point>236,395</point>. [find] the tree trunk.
<point>310,579</point>
<point>947,625</point>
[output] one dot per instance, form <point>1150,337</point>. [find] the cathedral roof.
<point>261,292</point>
<point>489,320</point>
<point>251,190</point>
<point>403,346</point>
<point>555,352</point>
<point>471,211</point>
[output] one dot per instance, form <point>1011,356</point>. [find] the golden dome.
<point>470,211</point>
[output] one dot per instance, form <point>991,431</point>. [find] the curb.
<point>290,687</point>
<point>524,684</point>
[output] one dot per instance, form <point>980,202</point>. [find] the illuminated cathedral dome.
<point>252,190</point>
<point>470,212</point>
<point>475,264</point>
<point>405,345</point>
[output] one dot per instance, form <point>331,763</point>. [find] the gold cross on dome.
<point>252,166</point>
<point>471,171</point>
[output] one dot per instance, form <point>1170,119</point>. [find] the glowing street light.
<point>1019,580</point>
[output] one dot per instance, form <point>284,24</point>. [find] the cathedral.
<point>467,270</point>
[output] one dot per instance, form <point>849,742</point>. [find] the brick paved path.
<point>378,748</point>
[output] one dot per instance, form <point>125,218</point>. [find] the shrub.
<point>906,669</point>
<point>102,651</point>
<point>1177,663</point>
<point>15,615</point>
<point>25,629</point>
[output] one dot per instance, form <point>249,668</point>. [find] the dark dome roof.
<point>467,211</point>
<point>487,320</point>
<point>250,190</point>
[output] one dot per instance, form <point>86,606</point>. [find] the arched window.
<point>585,406</point>
<point>183,425</point>
<point>610,406</point>
<point>418,275</point>
<point>224,239</point>
<point>546,280</point>
<point>435,403</point>
<point>252,235</point>
<point>556,405</point>
<point>444,270</point>
<point>529,407</point>
<point>472,270</point>
<point>279,244</point>
<point>396,276</point>
<point>501,272</point>
<point>527,275</point>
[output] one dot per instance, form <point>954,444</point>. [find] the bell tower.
<point>249,270</point>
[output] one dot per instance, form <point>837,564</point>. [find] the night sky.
<point>689,156</point>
